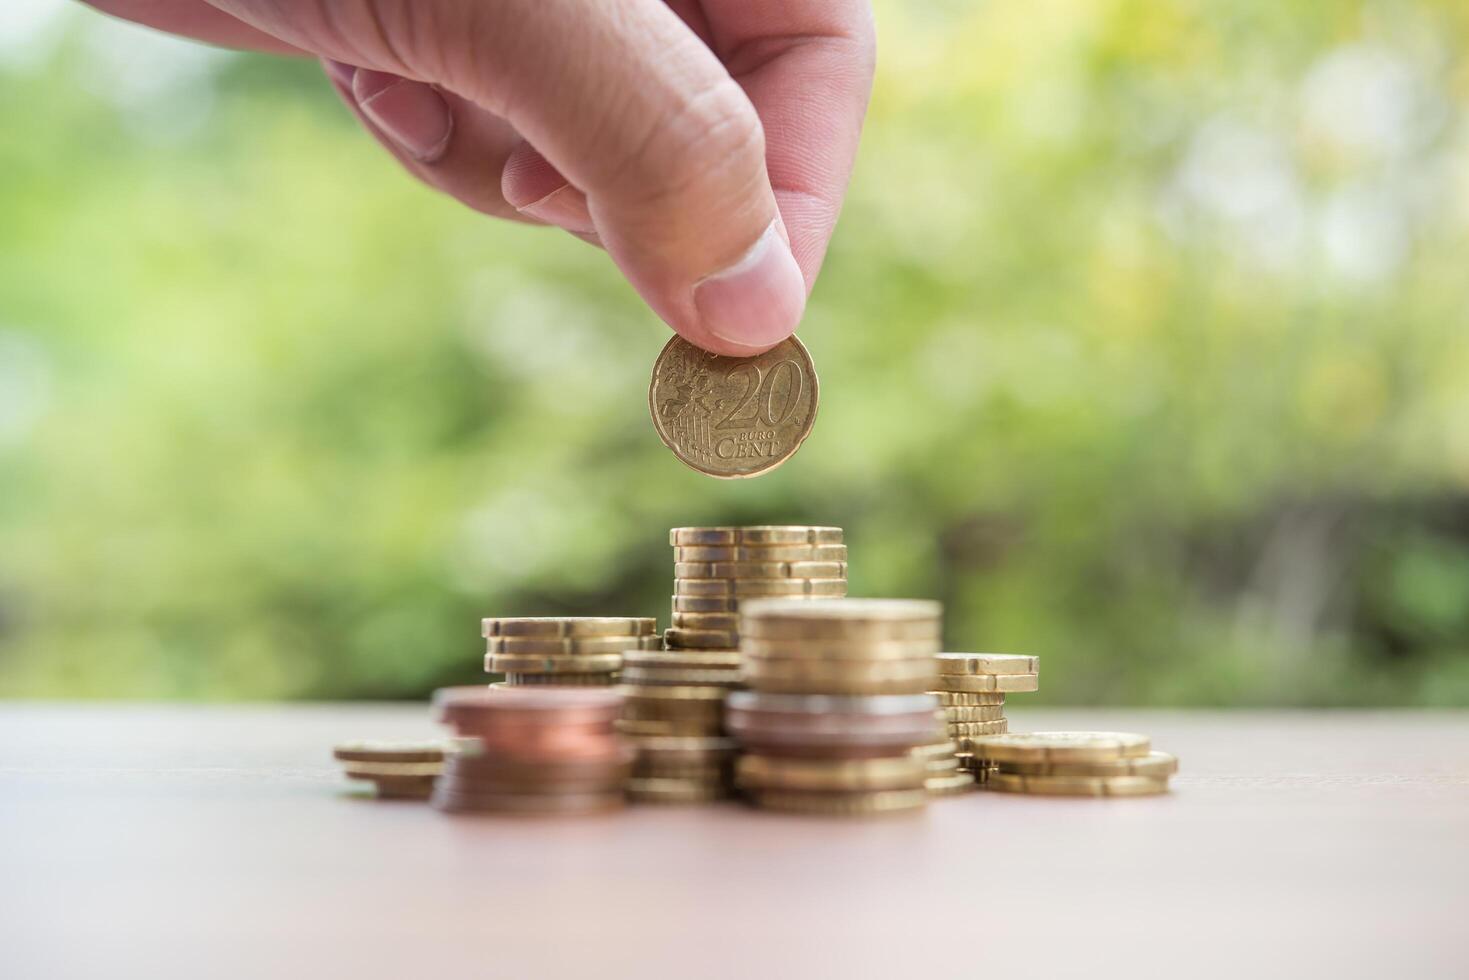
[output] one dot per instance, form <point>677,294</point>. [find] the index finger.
<point>807,67</point>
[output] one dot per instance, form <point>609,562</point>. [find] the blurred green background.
<point>1144,342</point>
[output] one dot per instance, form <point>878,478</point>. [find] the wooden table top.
<point>214,842</point>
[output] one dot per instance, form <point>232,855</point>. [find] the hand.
<point>706,144</point>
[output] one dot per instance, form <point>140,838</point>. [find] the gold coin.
<point>676,677</point>
<point>707,621</point>
<point>529,663</point>
<point>761,534</point>
<point>567,626</point>
<point>872,619</point>
<point>389,751</point>
<point>978,712</point>
<point>1063,747</point>
<point>935,750</point>
<point>950,699</point>
<point>662,789</point>
<point>698,747</point>
<point>759,772</point>
<point>969,729</point>
<point>602,679</point>
<point>841,649</point>
<point>758,569</point>
<point>842,804</point>
<point>950,785</point>
<point>664,727</point>
<point>753,588</point>
<point>377,770</point>
<point>937,767</point>
<point>988,663</point>
<point>994,683</point>
<point>692,695</point>
<point>706,604</point>
<point>1155,764</point>
<point>761,553</point>
<point>405,788</point>
<point>569,646</point>
<point>1077,785</point>
<point>695,659</point>
<point>678,637</point>
<point>733,417</point>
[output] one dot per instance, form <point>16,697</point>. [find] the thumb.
<point>631,108</point>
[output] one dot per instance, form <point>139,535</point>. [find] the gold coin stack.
<point>972,689</point>
<point>673,713</point>
<point>715,568</point>
<point>567,651</point>
<point>838,703</point>
<point>399,770</point>
<point>943,775</point>
<point>1075,764</point>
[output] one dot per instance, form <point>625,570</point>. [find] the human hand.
<point>706,144</point>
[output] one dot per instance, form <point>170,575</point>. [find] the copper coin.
<point>542,804</point>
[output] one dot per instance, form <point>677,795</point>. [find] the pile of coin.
<point>716,568</point>
<point>532,751</point>
<point>943,774</point>
<point>972,688</point>
<point>1075,764</point>
<point>399,770</point>
<point>838,703</point>
<point>577,651</point>
<point>673,713</point>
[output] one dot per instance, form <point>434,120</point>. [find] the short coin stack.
<point>716,568</point>
<point>1075,764</point>
<point>838,703</point>
<point>532,751</point>
<point>972,689</point>
<point>399,770</point>
<point>576,651</point>
<point>674,715</point>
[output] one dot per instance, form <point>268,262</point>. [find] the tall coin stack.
<point>971,688</point>
<point>532,751</point>
<point>569,651</point>
<point>837,703</point>
<point>674,715</point>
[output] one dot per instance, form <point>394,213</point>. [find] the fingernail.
<point>339,70</point>
<point>564,207</point>
<point>758,301</point>
<point>411,114</point>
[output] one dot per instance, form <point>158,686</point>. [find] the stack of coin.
<point>940,759</point>
<point>532,750</point>
<point>972,689</point>
<point>1075,764</point>
<point>674,715</point>
<point>837,704</point>
<point>715,568</point>
<point>575,651</point>
<point>399,770</point>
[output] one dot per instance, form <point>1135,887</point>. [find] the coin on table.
<point>950,784</point>
<point>389,751</point>
<point>663,789</point>
<point>754,588</point>
<point>842,804</point>
<point>567,626</point>
<point>391,770</point>
<point>1062,746</point>
<point>759,534</point>
<point>602,679</point>
<point>1155,764</point>
<point>988,663</point>
<point>1077,785</point>
<point>759,772</point>
<point>733,417</point>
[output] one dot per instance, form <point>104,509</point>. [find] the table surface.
<point>221,841</point>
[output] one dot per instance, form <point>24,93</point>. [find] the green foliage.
<point>1141,341</point>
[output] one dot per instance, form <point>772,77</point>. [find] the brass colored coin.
<point>876,619</point>
<point>694,570</point>
<point>547,646</point>
<point>837,651</point>
<point>1063,747</point>
<point>761,553</point>
<point>677,637</point>
<point>969,729</point>
<point>754,588</point>
<point>935,751</point>
<point>678,695</point>
<point>991,683</point>
<point>534,663</point>
<point>733,417</point>
<point>706,604</point>
<point>375,770</point>
<point>761,772</point>
<point>565,627</point>
<point>707,621</point>
<point>708,747</point>
<point>1077,785</point>
<point>918,669</point>
<point>843,804</point>
<point>389,751</point>
<point>951,699</point>
<point>675,677</point>
<point>694,659</point>
<point>656,789</point>
<point>988,663</point>
<point>978,712</point>
<point>1157,765</point>
<point>951,784</point>
<point>937,767</point>
<point>760,534</point>
<point>541,804</point>
<point>404,788</point>
<point>662,727</point>
<point>599,679</point>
